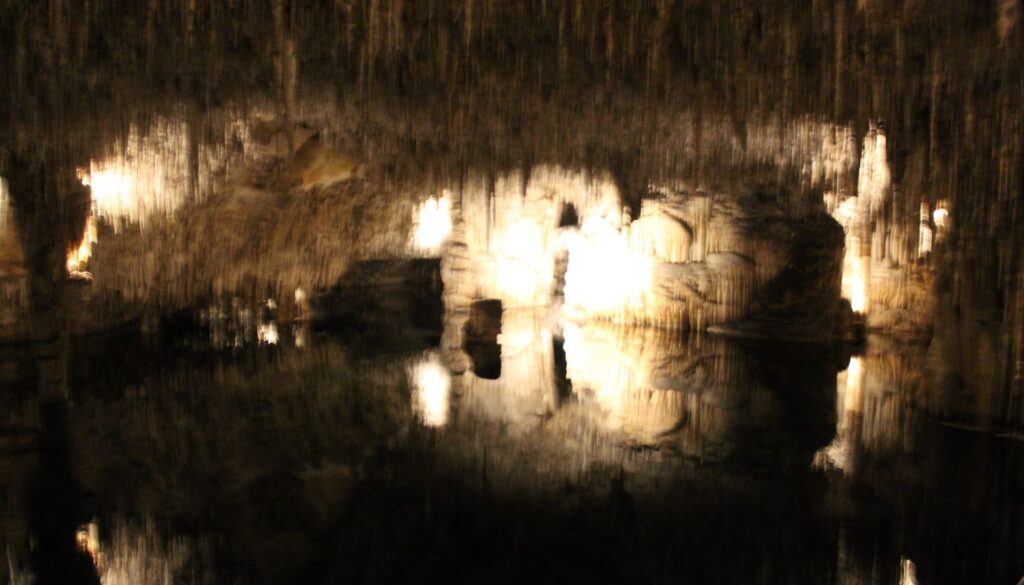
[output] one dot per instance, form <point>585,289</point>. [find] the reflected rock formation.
<point>637,388</point>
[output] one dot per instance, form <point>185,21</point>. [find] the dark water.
<point>323,458</point>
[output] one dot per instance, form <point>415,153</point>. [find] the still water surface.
<point>599,453</point>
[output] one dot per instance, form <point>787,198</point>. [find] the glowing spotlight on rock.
<point>111,186</point>
<point>267,333</point>
<point>941,215</point>
<point>431,391</point>
<point>433,222</point>
<point>80,254</point>
<point>856,275</point>
<point>605,276</point>
<point>148,174</point>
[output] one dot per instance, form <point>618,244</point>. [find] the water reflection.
<point>524,392</point>
<point>262,465</point>
<point>432,388</point>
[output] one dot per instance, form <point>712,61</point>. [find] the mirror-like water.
<point>601,453</point>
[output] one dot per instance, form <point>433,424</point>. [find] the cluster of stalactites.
<point>506,235</point>
<point>889,236</point>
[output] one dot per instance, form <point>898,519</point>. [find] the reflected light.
<point>299,335</point>
<point>433,219</point>
<point>139,554</point>
<point>623,373</point>
<point>849,399</point>
<point>267,333</point>
<point>525,387</point>
<point>432,388</point>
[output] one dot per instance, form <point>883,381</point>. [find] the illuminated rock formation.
<point>695,259</point>
<point>507,234</point>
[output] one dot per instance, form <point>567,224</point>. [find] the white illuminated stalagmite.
<point>887,273</point>
<point>859,216</point>
<point>926,232</point>
<point>874,179</point>
<point>151,174</point>
<point>608,275</point>
<point>6,212</point>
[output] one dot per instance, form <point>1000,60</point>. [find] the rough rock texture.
<point>716,259</point>
<point>888,273</point>
<point>507,235</point>
<point>383,297</point>
<point>801,302</point>
<point>247,241</point>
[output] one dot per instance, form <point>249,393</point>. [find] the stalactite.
<point>840,35</point>
<point>288,70</point>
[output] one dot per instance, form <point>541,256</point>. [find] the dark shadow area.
<point>481,333</point>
